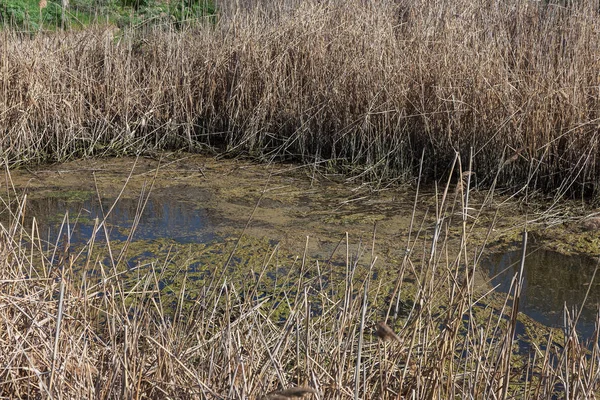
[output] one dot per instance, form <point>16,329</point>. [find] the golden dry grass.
<point>363,86</point>
<point>76,322</point>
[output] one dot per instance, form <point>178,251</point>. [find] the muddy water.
<point>553,283</point>
<point>189,201</point>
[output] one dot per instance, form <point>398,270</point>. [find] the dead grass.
<point>364,87</point>
<point>78,323</point>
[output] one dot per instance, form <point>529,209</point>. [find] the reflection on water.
<point>186,214</point>
<point>551,280</point>
<point>181,221</point>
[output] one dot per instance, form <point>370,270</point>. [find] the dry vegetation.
<point>78,323</point>
<point>361,86</point>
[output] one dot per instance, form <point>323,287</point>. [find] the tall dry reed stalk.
<point>77,322</point>
<point>364,86</point>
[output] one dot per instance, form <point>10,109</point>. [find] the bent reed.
<point>77,321</point>
<point>362,87</point>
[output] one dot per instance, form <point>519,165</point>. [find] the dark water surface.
<point>181,221</point>
<point>552,281</point>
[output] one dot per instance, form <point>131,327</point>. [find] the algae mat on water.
<point>286,203</point>
<point>211,218</point>
<point>283,203</point>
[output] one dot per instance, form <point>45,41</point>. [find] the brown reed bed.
<point>363,87</point>
<point>77,322</point>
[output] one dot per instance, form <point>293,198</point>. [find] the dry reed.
<point>365,87</point>
<point>75,322</point>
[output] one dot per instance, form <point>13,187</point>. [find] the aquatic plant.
<point>78,322</point>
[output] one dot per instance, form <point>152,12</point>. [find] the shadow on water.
<point>183,222</point>
<point>551,281</point>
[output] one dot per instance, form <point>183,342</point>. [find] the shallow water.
<point>199,200</point>
<point>159,217</point>
<point>552,281</point>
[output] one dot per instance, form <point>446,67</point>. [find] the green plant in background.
<point>186,11</point>
<point>18,13</point>
<point>28,16</point>
<point>135,4</point>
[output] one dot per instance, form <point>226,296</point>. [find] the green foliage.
<point>136,4</point>
<point>186,11</point>
<point>17,13</point>
<point>27,16</point>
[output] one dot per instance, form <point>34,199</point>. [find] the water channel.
<point>553,283</point>
<point>202,200</point>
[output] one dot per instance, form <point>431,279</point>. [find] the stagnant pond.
<point>553,283</point>
<point>199,200</point>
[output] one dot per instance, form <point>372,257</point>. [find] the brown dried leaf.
<point>384,332</point>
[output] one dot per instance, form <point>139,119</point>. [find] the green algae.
<point>570,241</point>
<point>313,214</point>
<point>70,196</point>
<point>251,267</point>
<point>352,218</point>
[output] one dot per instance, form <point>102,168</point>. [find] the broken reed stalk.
<point>361,329</point>
<point>518,287</point>
<point>59,317</point>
